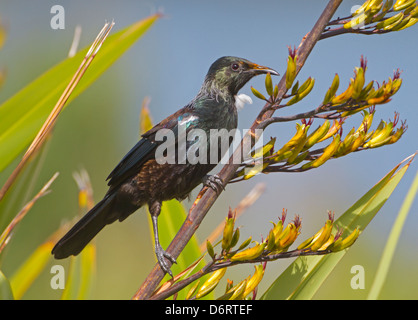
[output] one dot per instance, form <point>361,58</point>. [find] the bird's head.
<point>230,74</point>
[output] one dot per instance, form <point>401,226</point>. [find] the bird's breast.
<point>165,181</point>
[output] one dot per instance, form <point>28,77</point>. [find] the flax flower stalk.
<point>5,236</point>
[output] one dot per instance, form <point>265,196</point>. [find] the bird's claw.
<point>161,256</point>
<point>214,182</point>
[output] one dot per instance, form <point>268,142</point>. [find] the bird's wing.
<point>145,148</point>
<point>135,158</point>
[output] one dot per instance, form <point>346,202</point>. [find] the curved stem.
<point>211,267</point>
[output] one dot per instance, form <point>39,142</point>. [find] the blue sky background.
<point>168,64</point>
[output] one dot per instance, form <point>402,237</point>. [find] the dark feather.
<point>134,159</point>
<point>144,150</point>
<point>86,229</point>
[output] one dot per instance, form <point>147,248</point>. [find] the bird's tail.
<point>86,229</point>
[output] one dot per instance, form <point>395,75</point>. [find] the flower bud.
<point>343,97</point>
<point>264,150</point>
<point>249,254</point>
<point>235,238</point>
<point>359,141</point>
<point>245,244</point>
<point>228,231</point>
<point>303,91</point>
<point>380,135</point>
<point>296,141</point>
<point>323,237</point>
<point>342,244</point>
<point>211,283</point>
<point>258,167</point>
<point>270,241</point>
<point>336,126</point>
<point>391,22</point>
<point>345,146</point>
<point>403,4</point>
<point>326,155</point>
<point>239,291</point>
<point>269,84</point>
<point>317,135</point>
<point>357,20</point>
<point>332,90</point>
<point>257,94</point>
<point>192,290</point>
<point>287,237</point>
<point>277,229</point>
<point>254,280</point>
<point>276,91</point>
<point>305,244</point>
<point>210,250</point>
<point>358,83</point>
<point>290,71</point>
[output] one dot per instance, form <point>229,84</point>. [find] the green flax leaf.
<point>26,274</point>
<point>392,242</point>
<point>6,292</point>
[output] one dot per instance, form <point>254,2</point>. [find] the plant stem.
<point>211,267</point>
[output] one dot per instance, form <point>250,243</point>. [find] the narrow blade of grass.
<point>7,233</point>
<point>23,188</point>
<point>72,280</point>
<point>6,292</point>
<point>27,273</point>
<point>392,242</point>
<point>81,275</point>
<point>88,271</point>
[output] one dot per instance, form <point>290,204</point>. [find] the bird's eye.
<point>235,66</point>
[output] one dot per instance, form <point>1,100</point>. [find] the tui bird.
<point>140,179</point>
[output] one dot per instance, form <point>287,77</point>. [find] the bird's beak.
<point>257,69</point>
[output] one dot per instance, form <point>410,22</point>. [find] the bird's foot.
<point>162,255</point>
<point>214,182</point>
